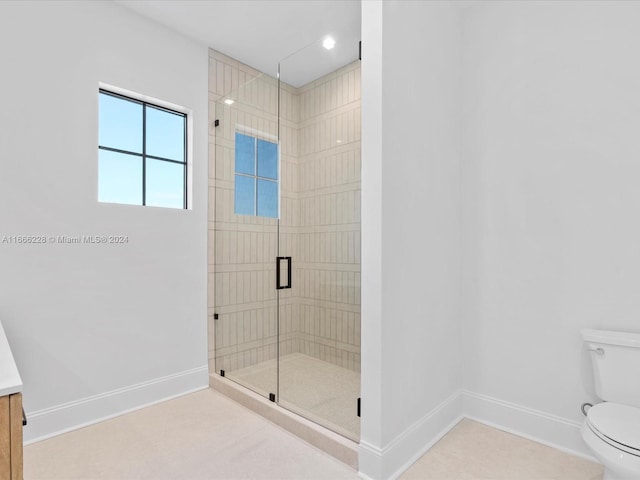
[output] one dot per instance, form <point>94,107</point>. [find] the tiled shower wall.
<point>320,220</point>
<point>328,257</point>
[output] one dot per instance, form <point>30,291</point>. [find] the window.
<point>142,153</point>
<point>256,191</point>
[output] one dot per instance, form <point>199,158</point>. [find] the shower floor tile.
<point>320,391</point>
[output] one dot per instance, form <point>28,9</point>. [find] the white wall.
<point>371,441</point>
<point>85,320</point>
<point>548,102</point>
<point>550,193</point>
<point>414,49</point>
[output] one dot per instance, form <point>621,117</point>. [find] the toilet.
<point>612,428</point>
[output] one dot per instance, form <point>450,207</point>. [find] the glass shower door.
<point>245,226</point>
<point>284,234</point>
<point>319,317</point>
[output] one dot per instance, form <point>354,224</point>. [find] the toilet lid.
<point>619,423</point>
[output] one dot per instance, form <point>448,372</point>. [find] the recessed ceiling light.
<point>228,101</point>
<point>329,43</point>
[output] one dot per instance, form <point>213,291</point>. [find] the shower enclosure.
<point>284,233</point>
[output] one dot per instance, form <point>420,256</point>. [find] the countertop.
<point>10,381</point>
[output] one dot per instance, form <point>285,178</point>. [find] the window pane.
<point>245,198</point>
<point>267,198</point>
<point>165,184</point>
<point>267,159</point>
<point>120,124</point>
<point>165,134</point>
<point>119,178</point>
<point>245,154</point>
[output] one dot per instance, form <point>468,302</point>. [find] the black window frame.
<point>144,154</point>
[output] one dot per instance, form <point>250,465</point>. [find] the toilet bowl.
<point>612,431</point>
<point>612,428</point>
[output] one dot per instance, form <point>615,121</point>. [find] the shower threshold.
<point>312,393</point>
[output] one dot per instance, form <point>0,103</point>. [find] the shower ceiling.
<point>261,33</point>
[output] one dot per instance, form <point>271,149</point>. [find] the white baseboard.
<point>389,462</point>
<point>69,416</point>
<point>386,463</point>
<point>541,427</point>
<point>398,455</point>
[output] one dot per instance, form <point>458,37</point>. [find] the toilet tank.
<point>615,357</point>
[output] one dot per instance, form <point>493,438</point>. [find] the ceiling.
<point>262,33</point>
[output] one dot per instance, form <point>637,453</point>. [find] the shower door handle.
<point>279,261</point>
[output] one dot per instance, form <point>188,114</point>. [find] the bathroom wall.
<point>545,104</point>
<point>411,335</point>
<point>551,199</point>
<point>328,258</point>
<point>95,329</point>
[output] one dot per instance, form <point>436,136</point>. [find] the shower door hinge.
<point>359,402</point>
<point>360,50</point>
<point>216,123</point>
<point>272,397</point>
<point>222,373</point>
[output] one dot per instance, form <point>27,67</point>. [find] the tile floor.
<point>320,391</point>
<point>206,436</point>
<point>473,451</point>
